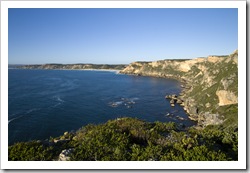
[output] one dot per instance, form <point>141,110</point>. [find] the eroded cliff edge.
<point>210,91</point>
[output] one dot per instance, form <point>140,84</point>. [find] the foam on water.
<point>128,102</point>
<point>15,118</point>
<point>32,110</point>
<point>58,100</point>
<point>70,99</point>
<point>22,114</point>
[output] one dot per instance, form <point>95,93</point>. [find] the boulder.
<point>180,118</point>
<point>193,110</point>
<point>64,155</point>
<point>211,119</point>
<point>179,101</point>
<point>168,96</point>
<point>172,101</point>
<point>208,105</point>
<point>75,138</point>
<point>174,96</point>
<point>61,140</point>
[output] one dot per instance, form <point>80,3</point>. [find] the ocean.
<point>46,103</point>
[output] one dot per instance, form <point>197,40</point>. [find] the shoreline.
<point>108,70</point>
<point>184,83</point>
<point>184,87</point>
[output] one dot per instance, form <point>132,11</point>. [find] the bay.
<point>44,103</point>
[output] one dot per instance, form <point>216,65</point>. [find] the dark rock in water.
<point>180,118</point>
<point>113,104</point>
<point>168,96</point>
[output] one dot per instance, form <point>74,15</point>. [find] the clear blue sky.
<point>114,36</point>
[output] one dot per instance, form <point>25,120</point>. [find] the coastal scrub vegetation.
<point>127,139</point>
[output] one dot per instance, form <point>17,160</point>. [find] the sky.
<point>119,36</point>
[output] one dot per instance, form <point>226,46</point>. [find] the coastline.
<point>185,85</point>
<point>186,137</point>
<point>107,70</point>
<point>184,82</point>
<point>210,89</point>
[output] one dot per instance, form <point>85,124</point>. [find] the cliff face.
<point>211,85</point>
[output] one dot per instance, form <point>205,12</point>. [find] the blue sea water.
<point>44,103</point>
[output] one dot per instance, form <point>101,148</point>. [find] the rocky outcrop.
<point>208,83</point>
<point>65,155</point>
<point>226,97</point>
<point>207,118</point>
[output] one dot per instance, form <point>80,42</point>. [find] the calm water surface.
<point>44,103</point>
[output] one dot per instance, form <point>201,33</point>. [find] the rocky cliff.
<point>210,85</point>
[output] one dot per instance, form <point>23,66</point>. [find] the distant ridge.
<point>77,66</point>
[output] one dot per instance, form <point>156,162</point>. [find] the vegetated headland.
<point>72,66</point>
<point>209,96</point>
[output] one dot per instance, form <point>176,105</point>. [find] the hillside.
<point>210,85</point>
<point>127,139</point>
<point>73,66</point>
